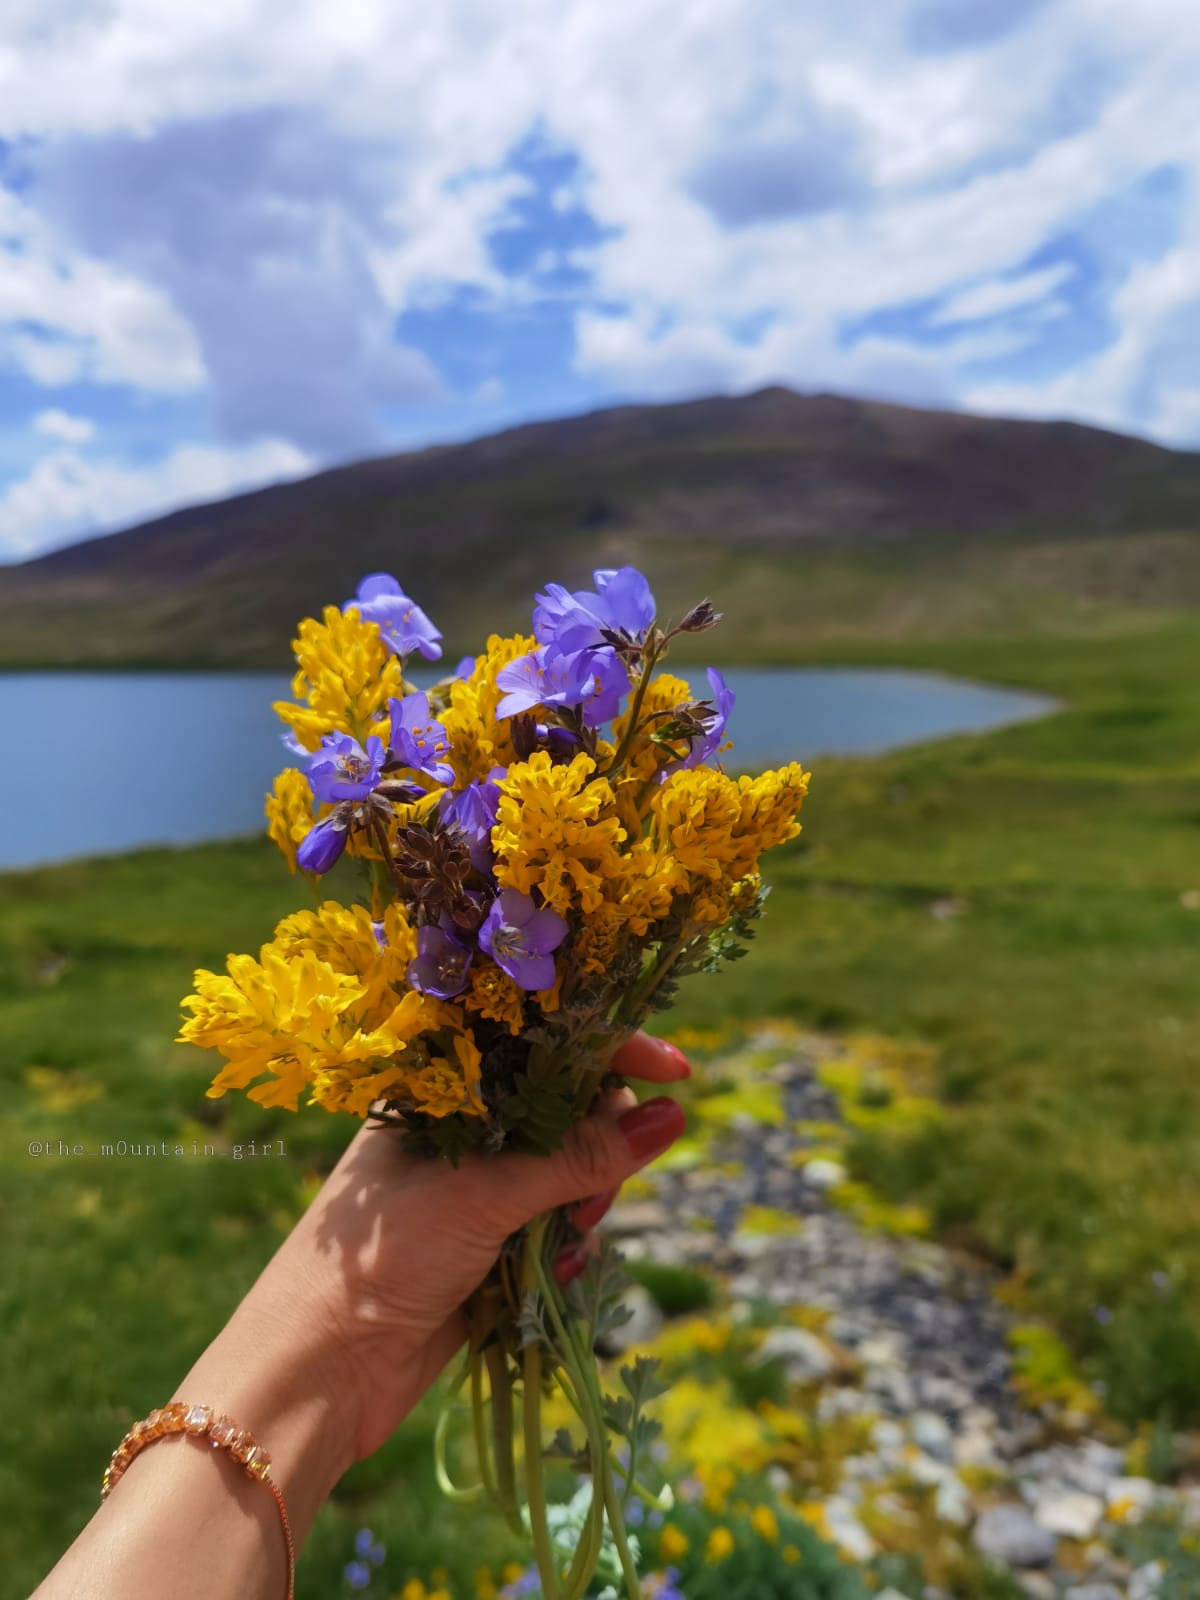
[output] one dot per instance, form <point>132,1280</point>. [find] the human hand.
<point>361,1306</point>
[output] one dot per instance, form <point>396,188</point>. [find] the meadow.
<point>1026,903</point>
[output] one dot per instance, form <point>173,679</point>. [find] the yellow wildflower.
<point>716,827</point>
<point>791,1555</point>
<point>485,1585</point>
<point>765,1523</point>
<point>493,994</point>
<point>345,677</point>
<point>720,1545</point>
<point>674,1542</point>
<point>320,1010</point>
<point>289,811</point>
<point>555,831</point>
<point>478,742</point>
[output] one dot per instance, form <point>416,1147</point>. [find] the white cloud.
<point>67,496</point>
<point>62,425</point>
<point>965,165</point>
<point>1001,295</point>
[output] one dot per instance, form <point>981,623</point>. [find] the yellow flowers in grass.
<point>720,1545</point>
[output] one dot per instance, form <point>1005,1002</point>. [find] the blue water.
<point>102,762</point>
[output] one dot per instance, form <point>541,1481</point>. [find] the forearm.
<point>186,1519</point>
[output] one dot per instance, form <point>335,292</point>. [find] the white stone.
<point>1147,1581</point>
<point>1010,1535</point>
<point>1069,1514</point>
<point>805,1358</point>
<point>846,1531</point>
<point>824,1174</point>
<point>932,1433</point>
<point>1139,1493</point>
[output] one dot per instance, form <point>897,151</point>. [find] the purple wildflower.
<point>321,847</point>
<point>403,626</point>
<point>380,932</point>
<point>368,1548</point>
<point>465,667</point>
<point>621,603</point>
<point>520,938</point>
<point>1102,1315</point>
<point>342,770</point>
<point>440,965</point>
<point>472,811</point>
<point>357,1575</point>
<point>723,701</point>
<point>418,741</point>
<point>593,679</point>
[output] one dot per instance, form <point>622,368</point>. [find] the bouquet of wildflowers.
<point>546,846</point>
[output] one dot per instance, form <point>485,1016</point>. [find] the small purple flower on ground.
<point>593,679</point>
<point>418,741</point>
<point>440,965</point>
<point>402,624</point>
<point>621,602</point>
<point>1102,1315</point>
<point>520,938</point>
<point>368,1548</point>
<point>357,1575</point>
<point>342,770</point>
<point>321,847</point>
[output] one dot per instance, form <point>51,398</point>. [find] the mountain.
<point>813,512</point>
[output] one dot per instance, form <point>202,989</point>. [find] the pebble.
<point>1070,1515</point>
<point>1009,1534</point>
<point>822,1174</point>
<point>1147,1581</point>
<point>805,1358</point>
<point>915,1343</point>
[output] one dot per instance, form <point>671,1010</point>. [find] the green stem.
<point>479,1424</point>
<point>580,1362</point>
<point>445,1483</point>
<point>531,1366</point>
<point>502,1435</point>
<point>649,661</point>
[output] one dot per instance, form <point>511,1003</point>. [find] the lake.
<point>102,762</point>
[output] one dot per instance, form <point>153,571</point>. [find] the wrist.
<point>276,1369</point>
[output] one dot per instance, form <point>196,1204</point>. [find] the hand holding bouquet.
<point>546,849</point>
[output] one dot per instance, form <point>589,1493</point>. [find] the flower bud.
<point>322,845</point>
<point>699,618</point>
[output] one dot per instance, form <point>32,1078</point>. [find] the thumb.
<point>598,1153</point>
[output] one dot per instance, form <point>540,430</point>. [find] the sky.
<point>243,241</point>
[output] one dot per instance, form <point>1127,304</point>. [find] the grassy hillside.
<point>809,516</point>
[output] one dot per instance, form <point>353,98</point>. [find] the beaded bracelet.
<point>216,1430</point>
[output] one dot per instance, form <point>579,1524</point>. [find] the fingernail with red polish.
<point>569,1263</point>
<point>588,1212</point>
<point>651,1127</point>
<point>682,1065</point>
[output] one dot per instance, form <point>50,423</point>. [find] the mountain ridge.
<point>775,479</point>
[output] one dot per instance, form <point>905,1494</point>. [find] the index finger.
<point>655,1060</point>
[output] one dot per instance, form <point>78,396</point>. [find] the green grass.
<point>1062,999</point>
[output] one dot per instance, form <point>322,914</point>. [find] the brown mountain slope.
<point>768,490</point>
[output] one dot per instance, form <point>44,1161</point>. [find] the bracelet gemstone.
<point>201,1422</point>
